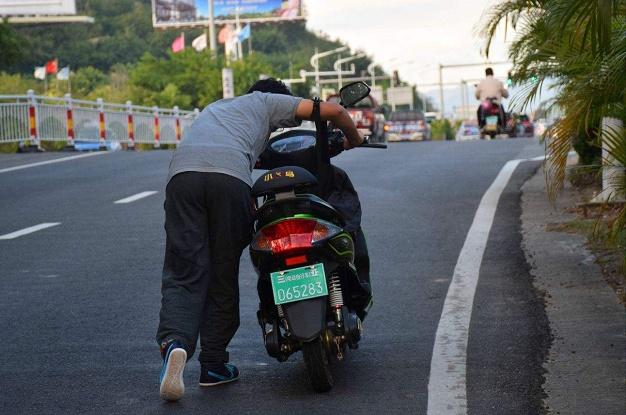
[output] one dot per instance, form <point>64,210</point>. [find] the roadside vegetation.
<point>578,49</point>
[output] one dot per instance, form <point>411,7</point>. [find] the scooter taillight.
<point>292,235</point>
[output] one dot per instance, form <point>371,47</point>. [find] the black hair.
<point>271,85</point>
<point>489,72</point>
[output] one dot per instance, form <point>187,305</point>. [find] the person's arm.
<point>503,91</point>
<point>477,91</point>
<point>336,114</point>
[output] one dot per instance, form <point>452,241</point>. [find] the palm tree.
<point>579,47</point>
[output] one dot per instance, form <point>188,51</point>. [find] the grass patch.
<point>9,147</point>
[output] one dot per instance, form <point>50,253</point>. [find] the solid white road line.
<point>26,231</point>
<point>447,388</point>
<point>43,163</point>
<point>138,196</point>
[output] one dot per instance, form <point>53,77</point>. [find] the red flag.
<point>225,34</point>
<point>52,66</point>
<point>179,43</point>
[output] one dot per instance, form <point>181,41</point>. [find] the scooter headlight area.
<point>293,235</point>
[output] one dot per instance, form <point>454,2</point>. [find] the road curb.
<point>585,367</point>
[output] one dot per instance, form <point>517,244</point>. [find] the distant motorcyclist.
<point>490,88</point>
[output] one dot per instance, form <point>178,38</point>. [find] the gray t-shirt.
<point>229,135</point>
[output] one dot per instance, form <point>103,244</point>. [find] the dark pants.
<point>208,223</point>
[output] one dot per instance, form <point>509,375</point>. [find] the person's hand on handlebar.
<point>336,114</point>
<point>348,146</point>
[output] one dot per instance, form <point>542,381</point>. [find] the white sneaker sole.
<point>172,385</point>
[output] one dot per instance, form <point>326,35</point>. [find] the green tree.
<point>10,45</point>
<point>86,80</point>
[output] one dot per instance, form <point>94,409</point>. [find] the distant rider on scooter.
<point>488,91</point>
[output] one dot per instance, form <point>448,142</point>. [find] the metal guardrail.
<point>36,118</point>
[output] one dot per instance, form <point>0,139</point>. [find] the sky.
<point>414,37</point>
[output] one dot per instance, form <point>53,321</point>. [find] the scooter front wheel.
<point>317,365</point>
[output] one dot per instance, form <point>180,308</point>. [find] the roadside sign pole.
<point>211,34</point>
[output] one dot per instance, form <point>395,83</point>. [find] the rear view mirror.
<point>353,93</point>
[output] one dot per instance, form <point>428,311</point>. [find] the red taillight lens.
<point>293,235</point>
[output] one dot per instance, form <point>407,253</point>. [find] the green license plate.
<point>492,120</point>
<point>299,284</point>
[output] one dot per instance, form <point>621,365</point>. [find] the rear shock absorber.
<point>335,296</point>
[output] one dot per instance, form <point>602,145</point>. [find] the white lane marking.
<point>43,163</point>
<point>138,196</point>
<point>447,389</point>
<point>26,231</point>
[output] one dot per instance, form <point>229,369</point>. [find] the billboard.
<point>37,7</point>
<point>177,13</point>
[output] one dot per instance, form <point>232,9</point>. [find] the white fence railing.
<point>36,118</point>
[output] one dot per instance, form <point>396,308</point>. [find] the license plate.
<point>492,120</point>
<point>299,284</point>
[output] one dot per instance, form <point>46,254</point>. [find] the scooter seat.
<point>283,179</point>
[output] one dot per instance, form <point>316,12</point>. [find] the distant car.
<point>407,126</point>
<point>368,115</point>
<point>468,130</point>
<point>519,125</point>
<point>525,127</point>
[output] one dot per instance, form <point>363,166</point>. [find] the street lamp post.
<point>315,62</point>
<point>212,40</point>
<point>339,62</point>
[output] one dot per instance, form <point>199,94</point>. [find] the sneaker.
<point>225,374</point>
<point>172,386</point>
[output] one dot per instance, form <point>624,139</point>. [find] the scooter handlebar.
<point>336,142</point>
<point>366,143</point>
<point>374,145</point>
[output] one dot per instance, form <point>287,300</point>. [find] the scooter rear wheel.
<point>317,365</point>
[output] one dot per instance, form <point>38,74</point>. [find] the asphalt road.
<point>79,301</point>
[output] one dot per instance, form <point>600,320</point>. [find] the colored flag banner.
<point>200,43</point>
<point>52,66</point>
<point>244,33</point>
<point>40,72</point>
<point>178,45</point>
<point>64,74</point>
<point>225,34</point>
